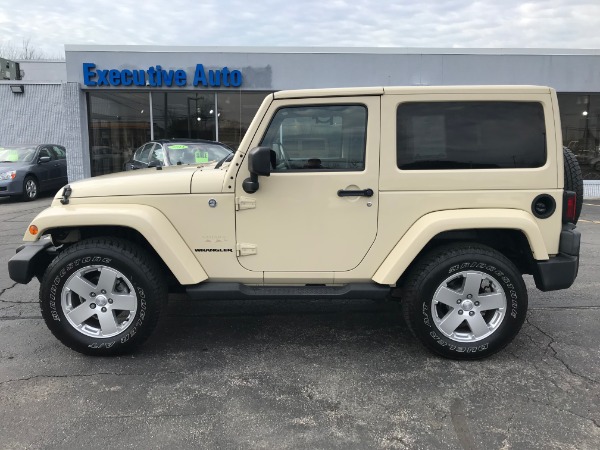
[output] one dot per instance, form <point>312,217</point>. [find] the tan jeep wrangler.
<point>445,194</point>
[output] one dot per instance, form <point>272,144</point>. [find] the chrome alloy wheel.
<point>31,188</point>
<point>469,306</point>
<point>99,301</point>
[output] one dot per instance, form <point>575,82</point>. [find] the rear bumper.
<point>30,260</point>
<point>560,271</point>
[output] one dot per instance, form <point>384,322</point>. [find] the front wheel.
<point>102,296</point>
<point>464,301</point>
<point>31,189</point>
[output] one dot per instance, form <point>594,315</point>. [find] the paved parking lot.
<point>311,374</point>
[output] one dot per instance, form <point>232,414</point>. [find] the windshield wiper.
<point>7,161</point>
<point>224,160</point>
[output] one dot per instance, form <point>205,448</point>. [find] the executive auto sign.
<point>156,76</point>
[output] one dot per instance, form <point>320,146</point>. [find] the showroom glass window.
<point>236,110</point>
<point>470,135</point>
<point>580,120</point>
<point>189,115</point>
<point>118,124</point>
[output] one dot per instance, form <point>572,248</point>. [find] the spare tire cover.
<point>573,179</point>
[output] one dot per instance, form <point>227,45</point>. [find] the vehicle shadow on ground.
<point>189,326</point>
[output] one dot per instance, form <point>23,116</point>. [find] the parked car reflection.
<point>174,152</point>
<point>26,170</point>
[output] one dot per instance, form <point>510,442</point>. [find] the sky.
<point>48,25</point>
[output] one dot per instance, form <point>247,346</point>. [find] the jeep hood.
<point>169,180</point>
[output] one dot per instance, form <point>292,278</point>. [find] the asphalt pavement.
<point>311,374</point>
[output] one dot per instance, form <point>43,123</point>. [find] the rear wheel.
<point>464,301</point>
<point>102,296</point>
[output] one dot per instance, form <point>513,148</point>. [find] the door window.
<point>318,137</point>
<point>46,152</point>
<point>145,153</point>
<point>157,154</point>
<point>60,152</point>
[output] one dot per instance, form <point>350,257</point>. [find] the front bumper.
<point>11,187</point>
<point>560,271</point>
<point>31,260</point>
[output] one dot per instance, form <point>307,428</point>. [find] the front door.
<point>317,211</point>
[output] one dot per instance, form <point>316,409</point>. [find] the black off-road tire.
<point>426,278</point>
<point>573,179</point>
<point>141,274</point>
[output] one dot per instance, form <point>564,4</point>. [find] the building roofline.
<point>331,50</point>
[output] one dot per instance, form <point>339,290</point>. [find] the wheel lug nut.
<point>458,301</point>
<point>476,303</point>
<point>103,291</point>
<point>110,300</point>
<point>92,305</point>
<point>103,309</point>
<point>460,312</point>
<point>92,294</point>
<point>469,296</point>
<point>471,313</point>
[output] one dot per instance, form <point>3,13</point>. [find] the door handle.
<point>363,193</point>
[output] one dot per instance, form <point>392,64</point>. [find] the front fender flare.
<point>148,221</point>
<point>432,224</point>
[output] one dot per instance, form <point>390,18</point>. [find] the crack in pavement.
<point>21,317</point>
<point>555,353</point>
<point>505,444</point>
<point>7,289</point>
<point>562,308</point>
<point>550,405</point>
<point>87,375</point>
<point>17,303</point>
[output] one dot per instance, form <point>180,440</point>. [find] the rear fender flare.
<point>432,224</point>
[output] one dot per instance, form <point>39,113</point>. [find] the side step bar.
<point>238,291</point>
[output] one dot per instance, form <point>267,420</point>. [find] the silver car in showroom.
<point>27,170</point>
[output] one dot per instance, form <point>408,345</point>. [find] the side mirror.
<point>155,163</point>
<point>259,164</point>
<point>44,159</point>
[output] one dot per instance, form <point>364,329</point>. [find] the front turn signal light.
<point>33,230</point>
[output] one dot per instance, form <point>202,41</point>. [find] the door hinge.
<point>244,203</point>
<point>246,249</point>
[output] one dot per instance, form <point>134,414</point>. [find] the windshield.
<point>195,153</point>
<point>16,153</point>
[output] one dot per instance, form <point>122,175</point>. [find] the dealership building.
<point>103,102</point>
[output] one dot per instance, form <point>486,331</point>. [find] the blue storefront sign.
<point>156,76</point>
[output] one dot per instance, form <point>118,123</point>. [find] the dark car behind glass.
<point>174,152</point>
<point>26,170</point>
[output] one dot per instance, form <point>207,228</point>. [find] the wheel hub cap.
<point>101,300</point>
<point>467,305</point>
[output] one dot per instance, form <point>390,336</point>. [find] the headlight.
<point>10,175</point>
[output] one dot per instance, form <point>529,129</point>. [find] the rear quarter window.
<point>470,135</point>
